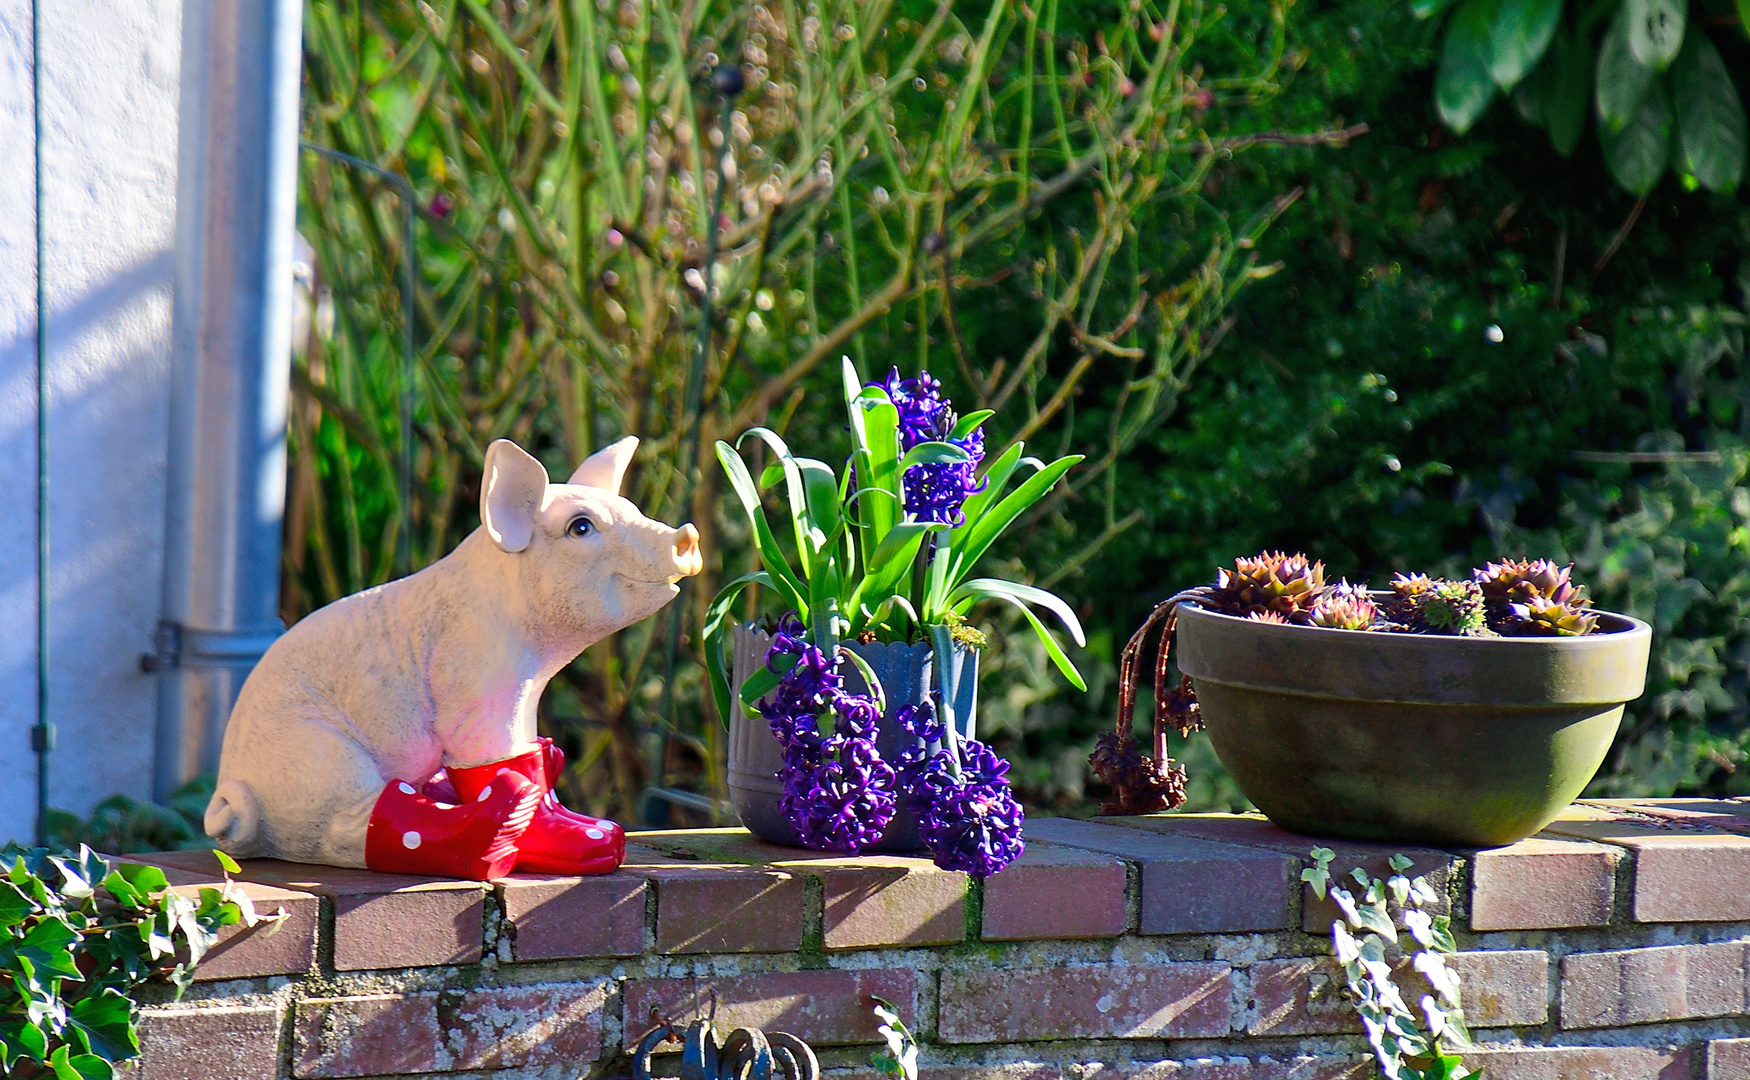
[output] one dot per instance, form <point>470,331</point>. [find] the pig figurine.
<point>395,729</point>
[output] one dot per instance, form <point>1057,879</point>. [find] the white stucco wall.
<point>109,150</point>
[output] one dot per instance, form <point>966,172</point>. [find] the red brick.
<point>869,900</point>
<point>510,1026</point>
<point>873,901</point>
<point>1581,1063</point>
<point>1497,989</point>
<point>1299,996</point>
<point>383,1034</point>
<point>222,1043</point>
<point>1094,1001</point>
<point>1013,1070</point>
<point>1543,883</point>
<point>1188,886</point>
<point>1307,996</point>
<point>1682,874</point>
<point>1227,1068</point>
<point>1728,1059</point>
<point>1256,832</point>
<point>1343,1067</point>
<point>556,918</point>
<point>819,1007</point>
<point>1646,986</point>
<point>283,947</point>
<point>388,920</point>
<point>1730,815</point>
<point>725,909</point>
<point>1056,892</point>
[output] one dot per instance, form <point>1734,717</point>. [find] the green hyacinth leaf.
<point>1520,36</point>
<point>1427,9</point>
<point>1623,81</point>
<point>1655,30</point>
<point>1710,116</point>
<point>1463,87</point>
<point>1637,154</point>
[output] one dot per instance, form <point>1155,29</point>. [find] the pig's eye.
<point>580,526</point>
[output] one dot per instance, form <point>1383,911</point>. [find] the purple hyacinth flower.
<point>934,491</point>
<point>844,801</point>
<point>839,795</point>
<point>970,821</point>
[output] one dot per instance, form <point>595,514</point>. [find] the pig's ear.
<point>511,494</point>
<point>607,466</point>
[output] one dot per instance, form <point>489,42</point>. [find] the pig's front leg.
<point>488,729</point>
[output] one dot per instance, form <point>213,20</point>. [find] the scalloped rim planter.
<point>1410,738</point>
<point>907,674</point>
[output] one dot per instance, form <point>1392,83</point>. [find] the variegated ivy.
<point>77,936</point>
<point>1408,1046</point>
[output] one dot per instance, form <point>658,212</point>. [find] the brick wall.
<point>1616,944</point>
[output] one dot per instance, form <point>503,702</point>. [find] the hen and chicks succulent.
<point>1513,598</point>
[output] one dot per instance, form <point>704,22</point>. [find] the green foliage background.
<point>1411,392</point>
<point>1472,349</point>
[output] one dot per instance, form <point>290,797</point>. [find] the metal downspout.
<point>236,203</point>
<point>42,736</point>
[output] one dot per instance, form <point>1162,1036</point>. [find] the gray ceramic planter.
<point>1410,738</point>
<point>907,674</point>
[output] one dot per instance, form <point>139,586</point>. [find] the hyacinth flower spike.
<point>967,814</point>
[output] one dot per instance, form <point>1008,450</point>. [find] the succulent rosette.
<point>885,552</point>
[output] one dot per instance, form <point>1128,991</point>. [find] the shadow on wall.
<point>109,362</point>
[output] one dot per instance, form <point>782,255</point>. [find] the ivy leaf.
<point>1318,877</point>
<point>47,948</point>
<point>20,1040</point>
<point>1520,35</point>
<point>1375,919</point>
<point>106,1022</point>
<point>1442,934</point>
<point>1638,153</point>
<point>1655,30</point>
<point>1463,87</point>
<point>70,1066</point>
<point>1623,81</point>
<point>14,906</point>
<point>1710,116</point>
<point>145,879</point>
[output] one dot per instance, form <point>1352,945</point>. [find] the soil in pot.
<point>1410,738</point>
<point>908,676</point>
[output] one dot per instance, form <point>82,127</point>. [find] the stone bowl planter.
<point>1410,738</point>
<point>907,674</point>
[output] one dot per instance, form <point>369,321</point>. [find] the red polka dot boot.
<point>412,833</point>
<point>558,841</point>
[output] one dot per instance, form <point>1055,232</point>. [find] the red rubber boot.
<point>557,841</point>
<point>410,833</point>
<point>552,768</point>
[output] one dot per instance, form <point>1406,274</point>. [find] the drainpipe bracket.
<point>178,646</point>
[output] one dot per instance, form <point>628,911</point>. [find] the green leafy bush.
<point>78,935</point>
<point>1663,94</point>
<point>122,825</point>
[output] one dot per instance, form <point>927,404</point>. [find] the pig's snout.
<point>688,560</point>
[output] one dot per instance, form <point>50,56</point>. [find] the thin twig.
<point>1331,137</point>
<point>1634,215</point>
